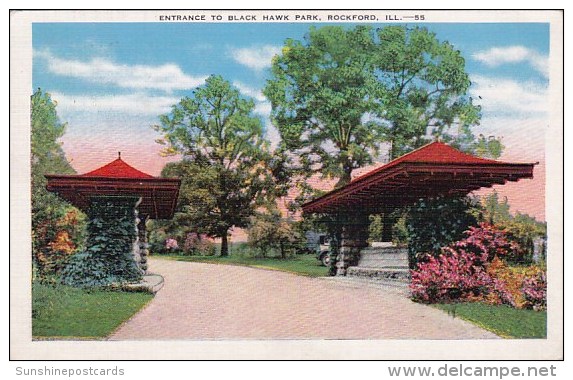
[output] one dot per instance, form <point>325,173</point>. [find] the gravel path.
<point>208,301</point>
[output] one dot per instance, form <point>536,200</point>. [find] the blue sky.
<point>112,80</point>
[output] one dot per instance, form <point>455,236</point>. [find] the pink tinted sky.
<point>524,141</point>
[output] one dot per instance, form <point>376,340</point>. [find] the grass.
<point>503,320</point>
<point>306,265</point>
<point>67,312</point>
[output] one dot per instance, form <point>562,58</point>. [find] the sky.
<point>111,81</point>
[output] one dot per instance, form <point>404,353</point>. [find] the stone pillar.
<point>143,245</point>
<point>354,237</point>
<point>135,247</point>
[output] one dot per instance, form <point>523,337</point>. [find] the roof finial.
<point>119,155</point>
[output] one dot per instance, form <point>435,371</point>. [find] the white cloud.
<point>497,56</point>
<point>273,135</point>
<point>136,104</point>
<point>262,105</point>
<point>263,108</point>
<point>256,57</point>
<point>167,77</point>
<point>250,91</point>
<point>509,97</point>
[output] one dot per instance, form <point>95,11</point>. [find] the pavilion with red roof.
<point>435,169</point>
<point>118,184</point>
<point>158,195</point>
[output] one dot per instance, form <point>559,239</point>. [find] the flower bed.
<point>473,270</point>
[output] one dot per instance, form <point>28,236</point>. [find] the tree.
<point>340,94</point>
<point>271,231</point>
<point>227,170</point>
<point>423,90</point>
<point>522,228</point>
<point>57,227</point>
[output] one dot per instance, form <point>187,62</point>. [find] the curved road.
<point>208,301</point>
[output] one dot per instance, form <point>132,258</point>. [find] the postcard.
<point>267,184</point>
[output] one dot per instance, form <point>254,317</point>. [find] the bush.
<point>472,270</point>
<point>433,224</point>
<point>198,244</point>
<point>52,260</point>
<point>449,277</point>
<point>61,239</point>
<point>522,228</point>
<point>400,232</point>
<point>487,242</point>
<point>271,232</point>
<point>535,292</point>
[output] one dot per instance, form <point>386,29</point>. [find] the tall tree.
<point>423,90</point>
<point>227,170</point>
<point>341,93</point>
<point>51,216</point>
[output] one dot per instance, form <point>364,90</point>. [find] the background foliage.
<point>522,228</point>
<point>58,229</point>
<point>341,92</point>
<point>437,222</point>
<point>227,170</point>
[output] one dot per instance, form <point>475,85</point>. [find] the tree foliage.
<point>434,223</point>
<point>227,170</point>
<point>270,231</point>
<point>340,93</point>
<point>522,228</point>
<point>57,227</point>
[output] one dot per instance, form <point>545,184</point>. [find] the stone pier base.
<point>354,237</point>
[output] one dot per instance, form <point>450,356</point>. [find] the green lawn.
<point>306,265</point>
<point>68,312</point>
<point>502,320</point>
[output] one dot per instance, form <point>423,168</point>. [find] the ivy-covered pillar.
<point>112,236</point>
<point>143,244</point>
<point>354,237</point>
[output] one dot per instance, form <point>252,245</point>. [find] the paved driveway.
<point>207,301</point>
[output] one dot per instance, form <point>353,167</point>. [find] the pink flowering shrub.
<point>171,244</point>
<point>460,272</point>
<point>486,242</point>
<point>198,244</point>
<point>448,277</point>
<point>535,292</point>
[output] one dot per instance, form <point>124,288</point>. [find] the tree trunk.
<point>224,244</point>
<point>346,173</point>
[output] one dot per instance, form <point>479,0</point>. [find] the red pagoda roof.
<point>158,195</point>
<point>117,169</point>
<point>432,170</point>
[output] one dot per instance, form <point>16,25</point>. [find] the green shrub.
<point>375,228</point>
<point>60,239</point>
<point>400,231</point>
<point>268,233</point>
<point>434,223</point>
<point>521,228</point>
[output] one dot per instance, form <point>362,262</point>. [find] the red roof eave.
<point>435,157</point>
